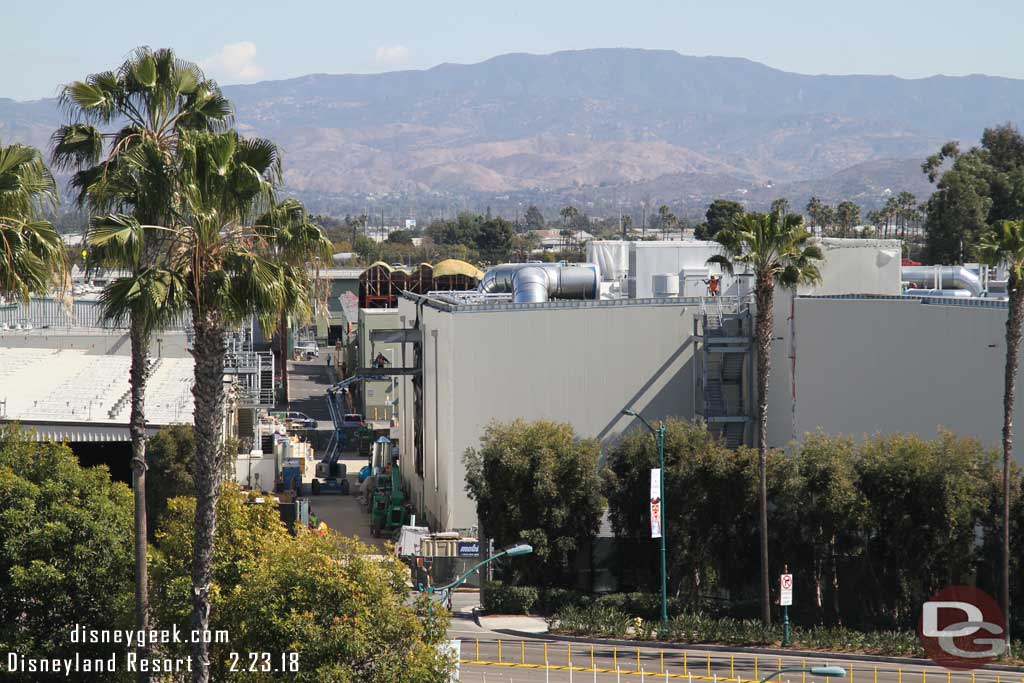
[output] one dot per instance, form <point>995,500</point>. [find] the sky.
<point>241,41</point>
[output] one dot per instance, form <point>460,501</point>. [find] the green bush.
<point>604,619</point>
<point>502,599</point>
<point>554,600</point>
<point>597,620</point>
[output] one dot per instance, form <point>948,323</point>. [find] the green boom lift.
<point>388,506</point>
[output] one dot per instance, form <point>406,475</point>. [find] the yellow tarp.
<point>456,267</point>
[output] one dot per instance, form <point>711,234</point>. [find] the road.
<point>308,382</point>
<point>307,386</point>
<point>646,663</point>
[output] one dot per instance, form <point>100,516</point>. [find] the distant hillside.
<point>612,118</point>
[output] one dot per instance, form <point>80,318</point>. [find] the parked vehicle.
<point>352,420</point>
<point>298,421</point>
<point>308,350</point>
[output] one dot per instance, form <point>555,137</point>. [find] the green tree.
<point>721,215</point>
<point>777,250</point>
<point>780,206</point>
<point>463,230</point>
<point>121,142</point>
<point>400,237</point>
<point>231,271</point>
<point>228,270</point>
<point>848,216</point>
<point>925,501</point>
<point>345,613</point>
<point>813,209</point>
<point>667,220</point>
<point>32,257</point>
<point>534,219</point>
<point>65,550</point>
<point>825,511</point>
<point>974,190</point>
<point>169,459</point>
<point>537,482</point>
<point>494,240</point>
<point>710,493</point>
<point>1005,245</point>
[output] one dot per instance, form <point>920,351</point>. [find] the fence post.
<point>875,680</point>
<point>499,651</point>
<point>732,666</point>
<point>755,669</point>
<point>803,674</point>
<point>522,652</point>
<point>709,664</point>
<point>478,649</point>
<point>686,670</point>
<point>899,675</point>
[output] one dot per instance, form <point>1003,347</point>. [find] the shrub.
<point>502,599</point>
<point>595,620</point>
<point>554,600</point>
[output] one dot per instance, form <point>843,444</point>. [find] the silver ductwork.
<point>946,277</point>
<point>539,282</point>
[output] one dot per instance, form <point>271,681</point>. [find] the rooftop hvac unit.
<point>665,285</point>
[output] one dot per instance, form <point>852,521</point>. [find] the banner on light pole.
<point>656,502</point>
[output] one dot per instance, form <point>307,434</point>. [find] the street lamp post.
<point>826,671</point>
<point>511,551</point>
<point>659,434</point>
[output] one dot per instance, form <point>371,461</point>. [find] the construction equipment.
<point>331,477</point>
<point>339,404</point>
<point>388,507</point>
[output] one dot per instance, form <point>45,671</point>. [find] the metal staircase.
<point>253,370</point>
<point>723,332</point>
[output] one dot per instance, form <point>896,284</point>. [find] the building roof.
<point>75,386</point>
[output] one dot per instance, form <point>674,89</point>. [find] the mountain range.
<point>628,124</point>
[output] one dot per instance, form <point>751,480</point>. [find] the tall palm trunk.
<point>764,295</point>
<point>139,374</point>
<point>284,358</point>
<point>209,350</point>
<point>1014,318</point>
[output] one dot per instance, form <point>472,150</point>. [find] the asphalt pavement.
<point>506,656</point>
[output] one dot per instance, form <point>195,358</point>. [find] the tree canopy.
<point>347,614</point>
<point>974,190</point>
<point>721,215</point>
<point>65,549</point>
<point>537,482</point>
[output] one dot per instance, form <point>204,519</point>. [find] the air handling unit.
<point>531,283</point>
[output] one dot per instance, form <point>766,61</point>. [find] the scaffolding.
<point>723,385</point>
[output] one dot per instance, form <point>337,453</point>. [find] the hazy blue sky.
<point>48,43</point>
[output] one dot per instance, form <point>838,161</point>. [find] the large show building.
<point>854,355</point>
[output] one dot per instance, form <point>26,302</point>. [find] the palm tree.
<point>231,270</point>
<point>779,251</point>
<point>32,256</point>
<point>1005,244</point>
<point>297,240</point>
<point>121,140</point>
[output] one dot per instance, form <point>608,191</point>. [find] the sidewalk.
<point>517,623</point>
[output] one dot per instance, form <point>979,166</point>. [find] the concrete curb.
<point>778,652</point>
